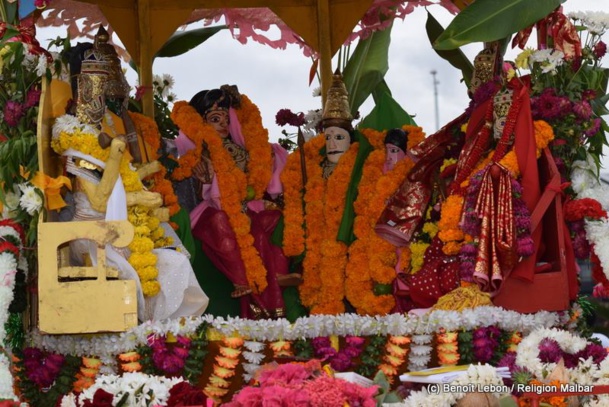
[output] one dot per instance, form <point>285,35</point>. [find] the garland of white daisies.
<point>11,245</point>
<point>585,182</point>
<point>107,346</point>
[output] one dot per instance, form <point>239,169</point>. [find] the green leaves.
<point>490,20</point>
<point>181,42</point>
<point>455,57</point>
<point>367,67</point>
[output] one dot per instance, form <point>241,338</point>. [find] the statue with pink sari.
<point>239,195</point>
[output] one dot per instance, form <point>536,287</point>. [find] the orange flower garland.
<point>259,169</point>
<point>447,348</point>
<point>232,183</point>
<point>448,226</point>
<point>323,285</point>
<point>149,131</point>
<point>371,258</point>
<point>224,368</point>
<point>195,133</point>
<point>397,350</point>
<point>293,232</point>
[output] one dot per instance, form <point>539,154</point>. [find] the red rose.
<point>101,398</point>
<point>185,394</point>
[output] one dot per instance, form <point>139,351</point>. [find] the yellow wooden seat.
<point>85,306</point>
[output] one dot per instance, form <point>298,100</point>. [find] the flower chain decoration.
<point>420,352</point>
<point>397,351</point>
<point>224,368</point>
<point>254,355</point>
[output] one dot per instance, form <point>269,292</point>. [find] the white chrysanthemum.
<point>70,124</point>
<point>69,400</point>
<point>254,346</point>
<point>31,199</point>
<point>548,59</point>
<point>253,357</point>
<point>41,67</point>
<point>317,91</point>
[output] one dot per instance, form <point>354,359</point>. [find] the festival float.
<point>335,274</point>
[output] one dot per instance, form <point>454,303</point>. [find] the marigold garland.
<point>260,169</point>
<point>149,132</point>
<point>371,258</point>
<point>448,225</point>
<point>232,183</point>
<point>324,266</point>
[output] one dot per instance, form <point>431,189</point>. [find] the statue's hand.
<point>117,147</point>
<point>148,169</point>
<point>144,198</point>
<point>162,214</point>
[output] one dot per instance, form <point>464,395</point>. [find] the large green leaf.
<point>182,42</point>
<point>455,57</point>
<point>490,20</point>
<point>367,67</point>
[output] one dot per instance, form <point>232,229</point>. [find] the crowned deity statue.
<point>465,210</point>
<point>100,156</point>
<point>319,211</point>
<point>375,264</point>
<point>231,172</point>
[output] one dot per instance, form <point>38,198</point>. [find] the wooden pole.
<point>325,46</point>
<point>145,55</point>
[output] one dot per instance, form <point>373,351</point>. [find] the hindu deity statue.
<point>226,158</point>
<point>106,186</point>
<point>322,228</point>
<point>374,263</point>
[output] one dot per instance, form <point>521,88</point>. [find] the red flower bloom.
<point>600,49</point>
<point>583,208</point>
<point>286,116</point>
<point>185,394</point>
<point>101,398</point>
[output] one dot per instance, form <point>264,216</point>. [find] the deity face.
<point>337,143</point>
<point>219,120</point>
<point>393,154</point>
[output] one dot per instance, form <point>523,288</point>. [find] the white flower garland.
<point>477,375</point>
<point>585,183</point>
<point>420,352</point>
<point>527,354</point>
<point>144,390</point>
<point>9,263</point>
<point>107,346</point>
<point>6,380</point>
<point>254,355</point>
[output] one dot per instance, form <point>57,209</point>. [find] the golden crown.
<point>337,111</point>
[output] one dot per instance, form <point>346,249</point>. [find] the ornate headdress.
<point>336,111</point>
<point>117,84</point>
<point>485,65</point>
<point>92,81</point>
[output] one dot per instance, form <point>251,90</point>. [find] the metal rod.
<point>435,96</point>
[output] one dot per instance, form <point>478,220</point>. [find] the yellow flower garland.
<point>371,258</point>
<point>323,285</point>
<point>141,259</point>
<point>232,183</point>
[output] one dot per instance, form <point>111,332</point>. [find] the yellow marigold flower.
<point>151,288</point>
<point>417,251</point>
<point>430,228</point>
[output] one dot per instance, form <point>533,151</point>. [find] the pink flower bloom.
<point>600,291</point>
<point>13,112</point>
<point>32,98</point>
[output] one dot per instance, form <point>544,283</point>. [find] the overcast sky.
<point>276,79</point>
